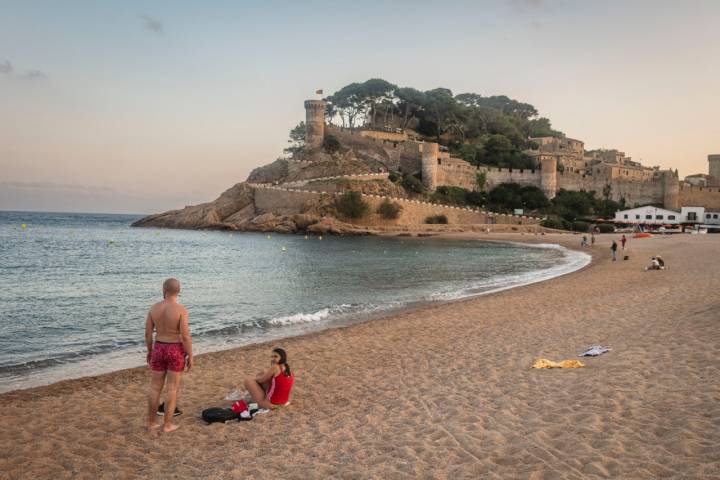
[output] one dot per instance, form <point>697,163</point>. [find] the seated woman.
<point>654,264</point>
<point>271,389</point>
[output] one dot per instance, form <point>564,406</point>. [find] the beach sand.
<point>444,391</point>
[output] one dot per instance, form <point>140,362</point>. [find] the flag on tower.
<point>319,92</point>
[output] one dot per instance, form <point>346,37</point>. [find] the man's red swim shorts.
<point>167,357</point>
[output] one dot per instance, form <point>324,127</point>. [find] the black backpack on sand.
<point>217,414</point>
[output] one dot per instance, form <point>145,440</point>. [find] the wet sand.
<point>444,391</point>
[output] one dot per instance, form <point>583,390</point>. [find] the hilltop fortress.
<point>297,193</point>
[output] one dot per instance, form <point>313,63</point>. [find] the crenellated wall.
<point>284,201</point>
<point>459,173</point>
<point>695,196</point>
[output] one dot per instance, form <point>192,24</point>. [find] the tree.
<point>442,108</point>
<point>509,196</point>
<point>297,138</point>
<point>374,92</point>
<point>347,103</point>
<point>389,210</point>
<point>411,102</point>
<point>572,205</point>
<point>480,180</point>
<point>352,205</point>
<point>331,144</point>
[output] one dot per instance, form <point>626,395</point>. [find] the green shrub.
<point>433,219</point>
<point>580,226</point>
<point>412,184</point>
<point>556,223</point>
<point>605,228</point>
<point>509,196</point>
<point>458,196</point>
<point>331,144</point>
<point>389,210</point>
<point>351,205</point>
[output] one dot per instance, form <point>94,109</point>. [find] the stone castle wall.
<point>283,201</point>
<point>695,196</point>
<point>415,213</point>
<point>459,173</point>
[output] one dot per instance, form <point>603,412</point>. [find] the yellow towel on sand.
<point>545,363</point>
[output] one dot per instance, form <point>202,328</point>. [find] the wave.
<point>574,261</point>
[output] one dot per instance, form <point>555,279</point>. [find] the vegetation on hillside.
<point>389,210</point>
<point>351,205</point>
<point>491,130</point>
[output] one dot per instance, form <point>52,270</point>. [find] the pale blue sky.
<point>129,106</point>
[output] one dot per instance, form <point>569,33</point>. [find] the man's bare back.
<point>166,316</point>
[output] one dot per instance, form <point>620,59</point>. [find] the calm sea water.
<point>75,288</point>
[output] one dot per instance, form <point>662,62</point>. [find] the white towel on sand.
<point>594,351</point>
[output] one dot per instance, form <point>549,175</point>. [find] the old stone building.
<point>562,163</point>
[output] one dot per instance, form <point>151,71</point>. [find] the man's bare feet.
<point>170,427</point>
<point>153,427</point>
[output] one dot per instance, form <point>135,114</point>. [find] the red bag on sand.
<point>239,406</point>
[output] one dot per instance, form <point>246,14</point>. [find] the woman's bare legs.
<point>257,393</point>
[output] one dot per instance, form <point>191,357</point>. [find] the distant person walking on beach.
<point>623,240</point>
<point>592,238</point>
<point>613,249</point>
<point>169,354</point>
<point>583,242</point>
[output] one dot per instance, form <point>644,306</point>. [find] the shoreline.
<point>443,391</point>
<point>266,339</point>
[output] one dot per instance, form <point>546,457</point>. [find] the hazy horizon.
<point>138,107</point>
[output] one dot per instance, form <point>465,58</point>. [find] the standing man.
<point>613,249</point>
<point>169,354</point>
<point>623,240</point>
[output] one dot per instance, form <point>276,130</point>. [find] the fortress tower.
<point>314,123</point>
<point>714,168</point>
<point>429,164</point>
<point>548,175</point>
<point>671,190</point>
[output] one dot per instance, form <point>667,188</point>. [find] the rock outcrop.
<point>234,205</point>
<point>235,210</point>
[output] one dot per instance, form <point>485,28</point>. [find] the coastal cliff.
<point>235,209</point>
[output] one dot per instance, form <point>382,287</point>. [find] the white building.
<point>650,215</point>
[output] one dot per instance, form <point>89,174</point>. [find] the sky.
<point>143,106</point>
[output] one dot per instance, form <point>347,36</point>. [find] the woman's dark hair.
<point>283,360</point>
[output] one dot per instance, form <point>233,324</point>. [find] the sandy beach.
<point>444,391</point>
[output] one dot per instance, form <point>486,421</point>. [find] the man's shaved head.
<point>171,286</point>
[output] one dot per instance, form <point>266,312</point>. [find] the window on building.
<point>692,216</point>
<point>715,215</point>
<point>626,216</point>
<point>707,215</point>
<point>648,217</point>
<point>671,217</point>
<point>637,217</point>
<point>658,217</point>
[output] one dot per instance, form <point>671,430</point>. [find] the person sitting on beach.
<point>654,264</point>
<point>271,389</point>
<point>661,262</point>
<point>169,354</point>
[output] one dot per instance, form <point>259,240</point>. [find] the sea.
<point>75,288</point>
